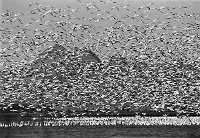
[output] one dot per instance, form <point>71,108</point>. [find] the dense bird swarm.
<point>73,65</point>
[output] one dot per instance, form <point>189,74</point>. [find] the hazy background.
<point>18,6</point>
<point>22,5</point>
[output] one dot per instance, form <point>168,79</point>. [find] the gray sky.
<point>22,5</point>
<point>18,6</point>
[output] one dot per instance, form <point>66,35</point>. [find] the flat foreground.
<point>117,131</point>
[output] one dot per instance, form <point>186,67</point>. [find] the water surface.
<point>101,132</point>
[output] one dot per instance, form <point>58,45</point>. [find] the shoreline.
<point>105,121</point>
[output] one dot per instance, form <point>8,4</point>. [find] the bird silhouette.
<point>34,3</point>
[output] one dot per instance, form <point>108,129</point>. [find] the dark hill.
<point>58,53</point>
<point>77,80</point>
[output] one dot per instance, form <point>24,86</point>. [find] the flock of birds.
<point>105,31</point>
<point>136,31</point>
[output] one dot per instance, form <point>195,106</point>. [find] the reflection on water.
<point>100,131</point>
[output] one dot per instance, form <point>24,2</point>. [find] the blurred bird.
<point>35,3</point>
<point>80,1</point>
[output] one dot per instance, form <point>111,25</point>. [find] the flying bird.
<point>35,3</point>
<point>80,1</point>
<point>114,8</point>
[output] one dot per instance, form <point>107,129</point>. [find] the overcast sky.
<point>22,5</point>
<point>18,6</point>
